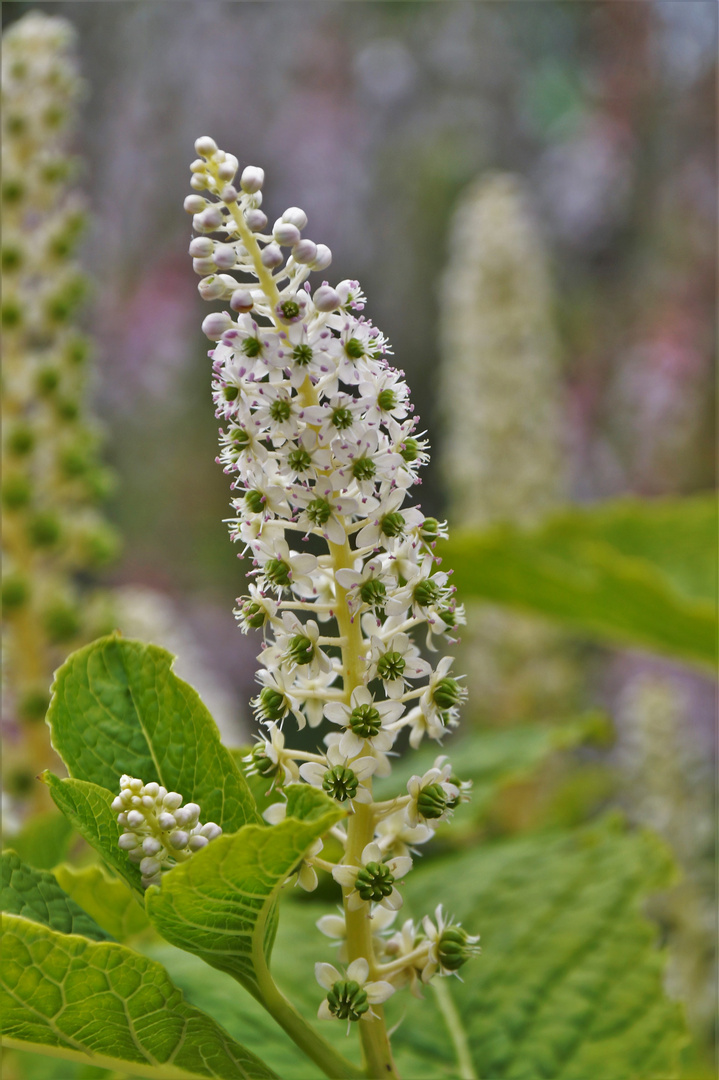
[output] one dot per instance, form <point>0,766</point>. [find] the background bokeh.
<point>376,118</point>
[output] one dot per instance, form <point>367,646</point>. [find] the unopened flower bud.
<point>211,288</point>
<point>135,818</point>
<point>195,204</point>
<point>285,234</point>
<point>178,839</point>
<point>256,220</point>
<point>208,220</point>
<point>225,256</point>
<point>252,179</point>
<point>215,325</point>
<point>205,146</point>
<point>326,298</point>
<point>272,256</point>
<point>295,216</point>
<point>304,252</point>
<point>322,259</point>
<point>172,800</point>
<point>197,842</point>
<point>149,866</point>
<point>201,247</point>
<point>204,266</point>
<point>241,300</point>
<point>151,846</point>
<point>166,820</point>
<point>128,841</point>
<point>199,181</point>
<point>211,830</point>
<point>228,168</point>
<point>229,194</point>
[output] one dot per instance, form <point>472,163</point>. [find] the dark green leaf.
<point>36,895</point>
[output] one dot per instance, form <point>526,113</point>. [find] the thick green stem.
<point>360,831</point>
<point>332,1063</point>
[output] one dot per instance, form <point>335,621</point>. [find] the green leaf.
<point>568,985</point>
<point>494,759</point>
<point>36,895</point>
<point>632,572</point>
<point>78,999</point>
<point>106,898</point>
<point>117,707</point>
<point>44,840</point>
<point>218,904</point>
<point>89,808</point>
<point>570,981</point>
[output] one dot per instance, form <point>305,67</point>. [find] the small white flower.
<point>365,720</point>
<point>394,662</point>
<point>351,995</point>
<point>340,777</point>
<point>373,881</point>
<point>433,796</point>
<point>449,945</point>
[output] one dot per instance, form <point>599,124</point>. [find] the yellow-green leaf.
<point>82,1000</point>
<point>117,707</point>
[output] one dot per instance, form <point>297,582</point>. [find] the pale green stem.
<point>456,1031</point>
<point>360,827</point>
<point>360,831</point>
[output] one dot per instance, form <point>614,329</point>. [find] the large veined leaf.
<point>493,759</point>
<point>218,903</point>
<point>107,899</point>
<point>632,572</point>
<point>570,981</point>
<point>569,985</point>
<point>88,807</point>
<point>36,895</point>
<point>117,707</point>
<point>76,999</point>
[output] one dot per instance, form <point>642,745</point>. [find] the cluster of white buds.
<point>321,444</point>
<point>53,477</point>
<point>159,831</point>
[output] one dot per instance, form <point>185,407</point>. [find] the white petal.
<point>377,992</point>
<point>394,901</point>
<point>358,970</point>
<point>351,744</point>
<point>400,866</point>
<point>332,926</point>
<point>275,813</point>
<point>307,878</point>
<point>364,795</point>
<point>354,901</point>
<point>326,975</point>
<point>345,875</point>
<point>372,852</point>
<point>313,773</point>
<point>336,712</point>
<point>364,767</point>
<point>323,1013</point>
<point>361,696</point>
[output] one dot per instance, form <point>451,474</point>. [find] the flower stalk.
<point>321,444</point>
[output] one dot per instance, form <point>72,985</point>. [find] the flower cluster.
<point>319,439</point>
<point>159,830</point>
<point>52,475</point>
